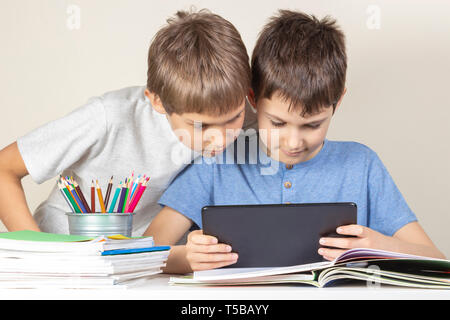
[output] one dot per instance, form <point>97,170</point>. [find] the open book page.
<point>358,255</point>
<point>375,275</point>
<point>275,279</point>
<point>239,273</point>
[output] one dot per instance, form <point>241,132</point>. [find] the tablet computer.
<point>276,235</point>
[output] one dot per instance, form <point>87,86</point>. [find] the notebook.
<point>30,259</point>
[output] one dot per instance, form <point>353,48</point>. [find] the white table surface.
<point>158,288</point>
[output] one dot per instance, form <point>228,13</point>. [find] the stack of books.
<point>30,259</point>
<point>375,267</point>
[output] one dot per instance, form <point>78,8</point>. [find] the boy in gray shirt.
<point>198,73</point>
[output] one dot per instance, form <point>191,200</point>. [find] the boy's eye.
<point>199,125</point>
<point>313,126</point>
<point>277,124</point>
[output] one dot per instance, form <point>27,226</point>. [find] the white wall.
<point>397,100</point>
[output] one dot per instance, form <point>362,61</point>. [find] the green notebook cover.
<point>42,236</point>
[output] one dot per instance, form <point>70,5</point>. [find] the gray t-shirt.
<point>110,135</point>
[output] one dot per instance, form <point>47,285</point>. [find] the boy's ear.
<point>251,99</point>
<point>340,99</point>
<point>155,101</point>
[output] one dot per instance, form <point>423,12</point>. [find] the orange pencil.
<point>100,198</point>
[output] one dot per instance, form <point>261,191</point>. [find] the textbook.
<point>369,265</point>
<point>27,240</point>
<point>30,259</point>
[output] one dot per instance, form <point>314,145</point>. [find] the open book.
<point>374,266</point>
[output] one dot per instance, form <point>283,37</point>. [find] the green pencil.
<point>65,197</point>
<point>72,201</point>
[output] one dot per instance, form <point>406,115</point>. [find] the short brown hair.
<point>198,63</point>
<point>302,59</point>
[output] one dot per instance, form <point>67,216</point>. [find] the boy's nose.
<point>215,137</point>
<point>294,141</point>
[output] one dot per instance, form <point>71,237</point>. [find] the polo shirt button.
<point>287,184</point>
<point>289,166</point>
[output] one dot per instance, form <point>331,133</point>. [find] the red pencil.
<point>93,197</point>
<point>138,196</point>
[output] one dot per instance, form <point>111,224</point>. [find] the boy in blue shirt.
<point>298,78</point>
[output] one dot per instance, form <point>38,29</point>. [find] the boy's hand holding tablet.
<point>203,252</point>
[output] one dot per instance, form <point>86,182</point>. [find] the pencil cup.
<point>96,224</point>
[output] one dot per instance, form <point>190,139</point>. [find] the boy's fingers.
<point>351,230</point>
<point>200,238</point>
<point>330,254</point>
<point>215,248</point>
<point>344,243</point>
<point>209,266</point>
<point>197,257</point>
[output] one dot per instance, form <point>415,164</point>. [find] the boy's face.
<point>287,136</point>
<point>209,135</point>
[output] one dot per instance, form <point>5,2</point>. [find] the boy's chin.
<point>285,159</point>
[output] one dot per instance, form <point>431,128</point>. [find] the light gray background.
<point>398,77</point>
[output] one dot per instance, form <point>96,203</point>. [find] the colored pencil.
<point>128,195</point>
<point>100,198</point>
<point>60,186</point>
<point>72,197</point>
<point>77,199</point>
<point>92,197</point>
<point>122,197</point>
<point>81,196</point>
<point>116,196</point>
<point>127,191</point>
<point>135,184</point>
<point>108,192</point>
<point>138,195</point>
<point>134,194</point>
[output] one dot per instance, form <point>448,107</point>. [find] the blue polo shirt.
<point>340,172</point>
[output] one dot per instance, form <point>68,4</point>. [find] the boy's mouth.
<point>292,153</point>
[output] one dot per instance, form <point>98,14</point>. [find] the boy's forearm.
<point>14,211</point>
<point>177,262</point>
<point>416,249</point>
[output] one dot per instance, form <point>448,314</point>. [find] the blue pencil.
<point>77,199</point>
<point>116,195</point>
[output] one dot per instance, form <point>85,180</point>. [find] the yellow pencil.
<point>100,198</point>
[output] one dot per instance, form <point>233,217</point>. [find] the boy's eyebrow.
<point>281,120</point>
<point>207,124</point>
